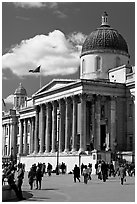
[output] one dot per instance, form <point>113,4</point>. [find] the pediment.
<point>54,84</point>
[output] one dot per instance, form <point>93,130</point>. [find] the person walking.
<point>76,173</point>
<point>122,173</point>
<point>49,169</point>
<point>11,181</point>
<point>31,177</point>
<point>20,177</point>
<point>89,171</point>
<point>85,174</point>
<point>38,177</point>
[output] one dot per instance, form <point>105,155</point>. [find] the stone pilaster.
<point>74,124</point>
<point>42,135</point>
<point>3,141</point>
<point>21,137</point>
<point>112,123</point>
<point>67,124</point>
<point>9,141</point>
<point>25,136</point>
<point>61,125</point>
<point>36,142</point>
<point>93,121</point>
<point>48,126</point>
<point>54,126</point>
<point>97,127</point>
<point>83,123</point>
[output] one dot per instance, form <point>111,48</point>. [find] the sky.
<point>51,34</point>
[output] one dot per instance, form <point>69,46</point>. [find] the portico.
<point>83,115</point>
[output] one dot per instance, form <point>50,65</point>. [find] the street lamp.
<point>57,168</point>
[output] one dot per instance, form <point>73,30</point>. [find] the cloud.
<point>30,4</point>
<point>55,52</point>
<point>9,99</point>
<point>50,5</point>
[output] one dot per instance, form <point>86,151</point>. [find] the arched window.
<point>83,66</point>
<point>98,63</point>
<point>117,61</point>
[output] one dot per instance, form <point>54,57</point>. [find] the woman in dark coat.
<point>31,176</point>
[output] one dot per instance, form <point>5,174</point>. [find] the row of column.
<point>9,140</point>
<point>44,126</point>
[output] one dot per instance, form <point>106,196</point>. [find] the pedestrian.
<point>11,181</point>
<point>96,167</point>
<point>76,173</point>
<point>99,173</point>
<point>20,177</point>
<point>122,173</point>
<point>85,174</point>
<point>49,169</point>
<point>31,177</point>
<point>89,171</point>
<point>82,167</point>
<point>38,177</point>
<point>104,170</point>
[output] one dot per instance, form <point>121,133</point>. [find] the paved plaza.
<point>61,188</point>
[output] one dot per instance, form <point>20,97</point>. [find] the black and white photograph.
<point>68,101</point>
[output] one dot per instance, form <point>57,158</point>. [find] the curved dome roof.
<point>105,39</point>
<point>20,91</point>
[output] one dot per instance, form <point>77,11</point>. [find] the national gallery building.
<point>83,119</point>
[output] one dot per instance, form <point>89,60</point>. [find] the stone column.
<point>48,126</point>
<point>14,138</point>
<point>93,121</point>
<point>9,141</point>
<point>54,126</point>
<point>74,125</point>
<point>3,141</point>
<point>42,135</point>
<point>21,137</point>
<point>61,125</point>
<point>25,136</point>
<point>67,124</point>
<point>112,123</point>
<point>32,135</point>
<point>37,108</point>
<point>97,116</point>
<point>83,123</point>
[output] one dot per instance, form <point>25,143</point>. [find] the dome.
<point>20,91</point>
<point>105,39</point>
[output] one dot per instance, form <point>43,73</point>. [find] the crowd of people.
<point>14,174</point>
<point>8,173</point>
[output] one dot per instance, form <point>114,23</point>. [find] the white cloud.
<point>9,99</point>
<point>30,4</point>
<point>55,53</point>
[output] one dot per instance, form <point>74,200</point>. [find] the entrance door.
<point>103,136</point>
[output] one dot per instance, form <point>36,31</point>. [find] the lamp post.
<point>57,168</point>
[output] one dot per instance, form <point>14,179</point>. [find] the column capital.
<point>37,108</point>
<point>61,101</point>
<point>48,105</point>
<point>83,96</point>
<point>67,100</point>
<point>75,98</point>
<point>54,103</point>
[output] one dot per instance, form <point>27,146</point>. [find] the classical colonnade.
<point>47,127</point>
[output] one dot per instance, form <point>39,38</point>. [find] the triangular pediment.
<point>54,84</point>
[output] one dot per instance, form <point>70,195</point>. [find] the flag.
<point>35,70</point>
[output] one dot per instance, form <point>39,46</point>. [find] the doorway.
<point>103,136</point>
